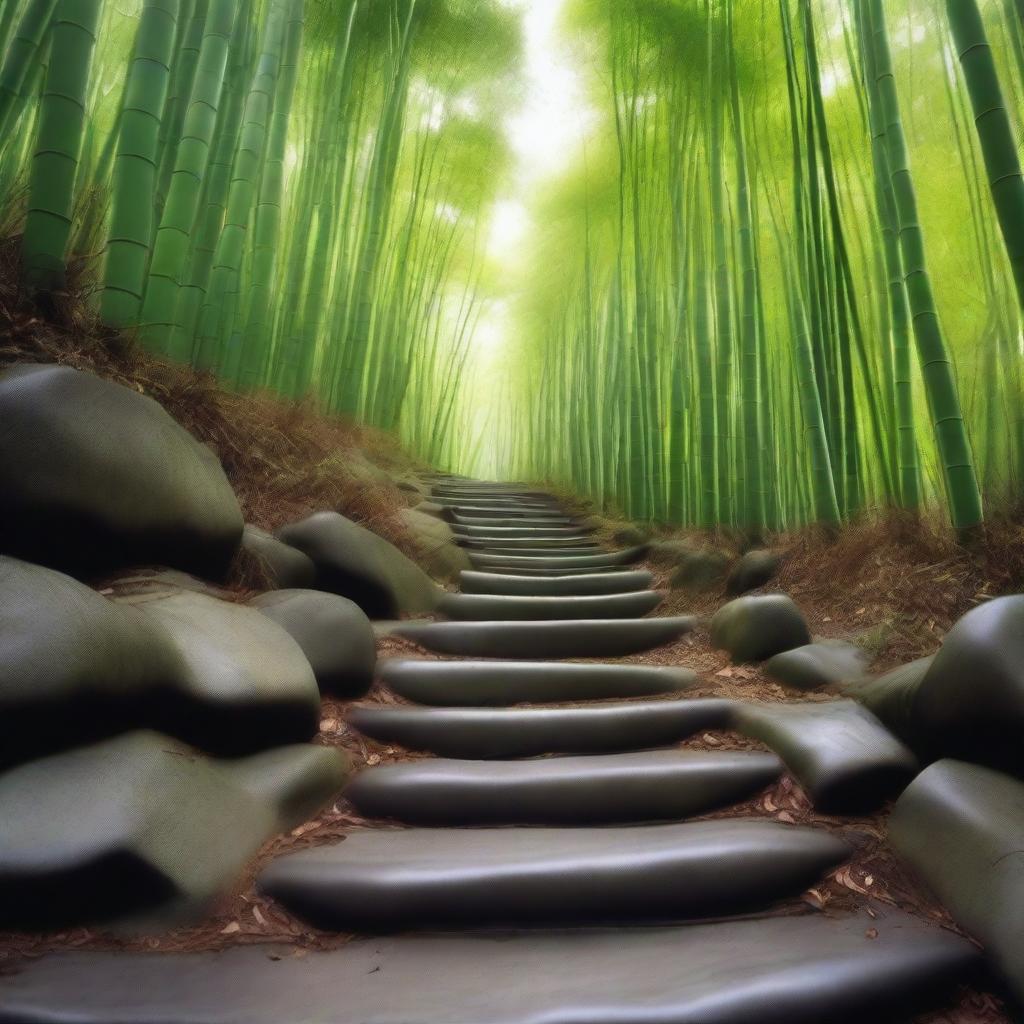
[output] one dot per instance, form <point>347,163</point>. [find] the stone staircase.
<point>547,870</point>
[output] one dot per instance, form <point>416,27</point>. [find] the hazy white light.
<point>509,223</point>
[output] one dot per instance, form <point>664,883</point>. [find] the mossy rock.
<point>701,571</point>
<point>755,569</point>
<point>755,628</point>
<point>287,567</point>
<point>434,543</point>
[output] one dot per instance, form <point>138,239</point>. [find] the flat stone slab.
<point>497,508</point>
<point>142,828</point>
<point>583,638</point>
<point>603,560</point>
<point>486,733</point>
<point>960,827</point>
<point>502,607</point>
<point>512,531</point>
<point>783,970</point>
<point>841,754</point>
<point>652,786</point>
<point>587,584</point>
<point>497,684</point>
<point>495,521</point>
<point>825,663</point>
<point>529,546</point>
<point>507,569</point>
<point>426,878</point>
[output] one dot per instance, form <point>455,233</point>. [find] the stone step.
<point>547,546</point>
<point>506,569</point>
<point>501,607</point>
<point>581,585</point>
<point>655,785</point>
<point>471,491</point>
<point>507,506</point>
<point>397,880</point>
<point>518,523</point>
<point>580,638</point>
<point>841,754</point>
<point>485,733</point>
<point>804,969</point>
<point>509,510</point>
<point>517,532</point>
<point>499,684</point>
<point>604,560</point>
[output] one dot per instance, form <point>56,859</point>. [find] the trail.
<point>663,860</point>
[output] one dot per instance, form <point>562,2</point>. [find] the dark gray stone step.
<point>517,522</point>
<point>592,584</point>
<point>580,638</point>
<point>961,828</point>
<point>841,754</point>
<point>142,828</point>
<point>806,969</point>
<point>651,786</point>
<point>574,562</point>
<point>547,546</point>
<point>490,512</point>
<point>501,607</point>
<point>499,684</point>
<point>486,733</point>
<point>517,531</point>
<point>380,881</point>
<point>507,569</point>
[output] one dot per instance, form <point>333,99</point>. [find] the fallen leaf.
<point>786,817</point>
<point>871,933</point>
<point>259,917</point>
<point>230,929</point>
<point>329,725</point>
<point>373,759</point>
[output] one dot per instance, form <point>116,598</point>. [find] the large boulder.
<point>334,634</point>
<point>244,685</point>
<point>959,826</point>
<point>755,628</point>
<point>287,567</point>
<point>434,544</point>
<point>94,476</point>
<point>753,570</point>
<point>891,698</point>
<point>143,828</point>
<point>357,564</point>
<point>74,667</point>
<point>970,702</point>
<point>700,571</point>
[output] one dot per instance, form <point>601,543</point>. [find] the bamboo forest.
<point>511,511</point>
<point>772,273</point>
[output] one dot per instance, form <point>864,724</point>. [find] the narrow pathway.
<point>547,870</point>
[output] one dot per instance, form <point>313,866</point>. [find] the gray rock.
<point>578,638</point>
<point>75,667</point>
<point>434,544</point>
<point>755,628</point>
<point>357,564</point>
<point>824,663</point>
<point>753,570</point>
<point>244,685</point>
<point>382,881</point>
<point>334,633</point>
<point>499,683</point>
<point>287,567</point>
<point>803,969</point>
<point>655,785</point>
<point>841,754</point>
<point>94,477</point>
<point>891,697</point>
<point>142,828</point>
<point>970,702</point>
<point>556,586</point>
<point>959,826</point>
<point>486,733</point>
<point>701,571</point>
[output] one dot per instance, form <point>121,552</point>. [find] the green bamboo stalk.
<point>131,228</point>
<point>20,58</point>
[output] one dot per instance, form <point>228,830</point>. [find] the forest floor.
<point>894,585</point>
